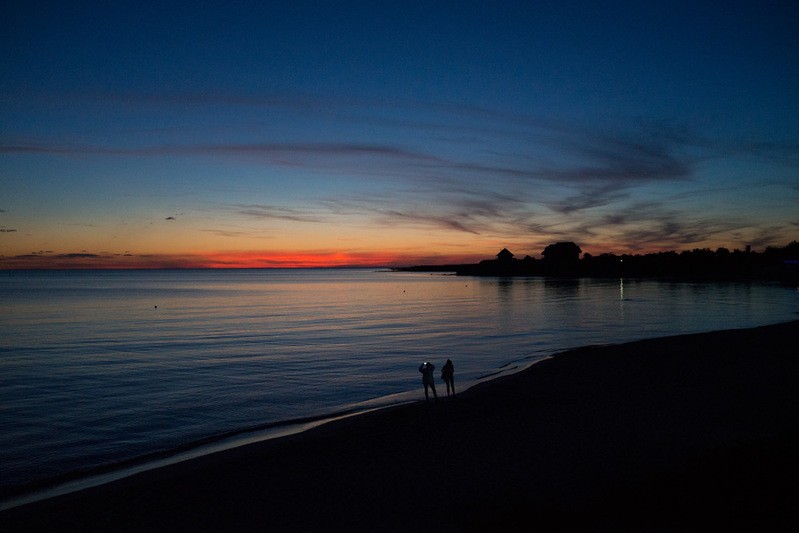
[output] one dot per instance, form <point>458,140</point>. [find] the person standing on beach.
<point>427,379</point>
<point>448,375</point>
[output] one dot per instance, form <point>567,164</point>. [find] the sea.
<point>103,369</point>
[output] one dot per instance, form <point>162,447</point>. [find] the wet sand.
<point>679,433</point>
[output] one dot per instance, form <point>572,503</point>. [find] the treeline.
<point>777,263</point>
<point>562,259</point>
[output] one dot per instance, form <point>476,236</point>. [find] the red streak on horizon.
<point>290,260</point>
<point>259,259</point>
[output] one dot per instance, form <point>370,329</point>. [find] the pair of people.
<point>447,374</point>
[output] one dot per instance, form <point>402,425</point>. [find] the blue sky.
<point>247,133</point>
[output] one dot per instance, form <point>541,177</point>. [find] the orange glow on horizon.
<point>245,259</point>
<point>284,259</point>
<point>291,259</point>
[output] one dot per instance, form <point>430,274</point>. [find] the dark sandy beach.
<point>680,433</point>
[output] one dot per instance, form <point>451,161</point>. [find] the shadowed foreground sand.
<point>684,432</point>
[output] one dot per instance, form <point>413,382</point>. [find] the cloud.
<point>272,212</point>
<point>662,225</point>
<point>278,153</point>
<point>463,169</point>
<point>589,198</point>
<point>607,170</point>
<point>615,220</point>
<point>670,230</point>
<point>768,236</point>
<point>83,255</point>
<point>475,211</point>
<point>51,149</point>
<point>421,218</point>
<point>79,260</point>
<point>237,233</point>
<point>573,155</point>
<point>49,259</point>
<point>456,139</point>
<point>569,169</point>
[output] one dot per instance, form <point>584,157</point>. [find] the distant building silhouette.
<point>505,264</point>
<point>504,256</point>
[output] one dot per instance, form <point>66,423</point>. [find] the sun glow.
<point>292,259</point>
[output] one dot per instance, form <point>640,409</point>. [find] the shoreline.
<point>70,482</point>
<point>76,481</point>
<point>570,437</point>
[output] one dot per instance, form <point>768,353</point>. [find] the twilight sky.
<point>325,133</point>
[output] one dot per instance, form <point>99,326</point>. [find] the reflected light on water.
<point>101,366</point>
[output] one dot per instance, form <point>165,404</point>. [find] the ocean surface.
<point>100,367</point>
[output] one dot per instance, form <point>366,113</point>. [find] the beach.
<point>676,433</point>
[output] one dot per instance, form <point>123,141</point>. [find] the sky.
<point>296,133</point>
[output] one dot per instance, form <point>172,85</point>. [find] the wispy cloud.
<point>589,198</point>
<point>83,255</point>
<point>468,210</point>
<point>661,226</point>
<point>272,212</point>
<point>598,166</point>
<point>768,236</point>
<point>278,151</point>
<point>471,170</point>
<point>236,233</point>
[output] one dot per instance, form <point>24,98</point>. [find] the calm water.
<point>102,366</point>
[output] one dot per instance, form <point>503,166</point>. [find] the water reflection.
<point>505,285</point>
<point>621,299</point>
<point>563,286</point>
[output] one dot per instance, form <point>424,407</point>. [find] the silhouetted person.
<point>427,379</point>
<point>448,375</point>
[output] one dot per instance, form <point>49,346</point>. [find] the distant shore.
<point>563,260</point>
<point>684,432</point>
